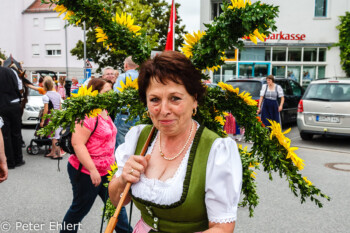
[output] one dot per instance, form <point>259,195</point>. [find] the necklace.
<point>183,148</point>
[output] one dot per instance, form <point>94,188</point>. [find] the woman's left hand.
<point>95,177</point>
<point>280,108</point>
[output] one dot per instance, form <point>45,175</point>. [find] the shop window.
<point>261,70</point>
<point>279,54</point>
<point>310,54</point>
<point>309,73</point>
<point>228,72</point>
<point>321,72</point>
<point>216,76</point>
<point>252,54</point>
<point>216,9</point>
<point>268,54</point>
<point>293,72</point>
<point>322,54</point>
<point>231,55</point>
<point>245,70</point>
<point>294,54</point>
<point>279,71</point>
<point>320,8</point>
<point>53,49</point>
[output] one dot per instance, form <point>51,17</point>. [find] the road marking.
<point>322,149</point>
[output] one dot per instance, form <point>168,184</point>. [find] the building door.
<point>253,69</point>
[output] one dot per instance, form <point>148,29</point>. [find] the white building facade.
<point>298,49</point>
<point>34,34</point>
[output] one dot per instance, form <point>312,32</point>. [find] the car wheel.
<point>306,136</point>
<point>35,150</point>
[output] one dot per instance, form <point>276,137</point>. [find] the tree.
<point>151,15</point>
<point>344,42</point>
<point>2,55</point>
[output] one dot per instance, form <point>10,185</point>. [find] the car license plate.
<point>327,119</point>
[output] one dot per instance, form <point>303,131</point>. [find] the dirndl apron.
<point>270,111</point>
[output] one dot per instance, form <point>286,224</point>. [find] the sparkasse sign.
<point>286,36</point>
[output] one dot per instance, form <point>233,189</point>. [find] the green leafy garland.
<point>271,151</point>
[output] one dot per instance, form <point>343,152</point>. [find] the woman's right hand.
<point>95,177</point>
<point>134,167</point>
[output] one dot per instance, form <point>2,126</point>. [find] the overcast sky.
<point>189,12</point>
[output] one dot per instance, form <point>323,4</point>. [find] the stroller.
<point>39,141</point>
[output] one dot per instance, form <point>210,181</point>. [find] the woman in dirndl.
<point>268,103</point>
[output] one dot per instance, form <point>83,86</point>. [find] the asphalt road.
<point>36,196</point>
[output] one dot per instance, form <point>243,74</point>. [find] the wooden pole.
<point>113,221</point>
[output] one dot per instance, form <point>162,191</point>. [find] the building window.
<point>216,9</point>
<point>320,8</point>
<point>52,23</point>
<point>279,71</point>
<point>279,54</point>
<point>321,72</point>
<point>53,49</point>
<point>309,74</point>
<point>252,54</point>
<point>322,54</point>
<point>228,72</point>
<point>293,72</point>
<point>310,54</point>
<point>294,54</point>
<point>35,22</point>
<point>35,50</point>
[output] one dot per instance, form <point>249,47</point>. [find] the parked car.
<point>31,110</point>
<point>325,109</point>
<point>292,94</point>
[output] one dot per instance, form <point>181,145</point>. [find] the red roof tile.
<point>36,7</point>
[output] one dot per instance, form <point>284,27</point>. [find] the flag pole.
<point>174,13</point>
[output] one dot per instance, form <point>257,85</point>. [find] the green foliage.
<point>225,32</point>
<point>151,15</point>
<point>2,55</point>
<point>344,42</point>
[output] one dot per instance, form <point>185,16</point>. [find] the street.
<point>36,196</point>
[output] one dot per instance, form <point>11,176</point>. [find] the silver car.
<point>325,109</point>
<point>31,111</point>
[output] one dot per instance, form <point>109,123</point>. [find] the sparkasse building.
<point>300,48</point>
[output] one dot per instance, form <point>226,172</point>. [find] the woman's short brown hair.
<point>271,77</point>
<point>171,66</point>
<point>97,84</point>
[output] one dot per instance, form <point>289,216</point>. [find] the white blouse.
<point>223,178</point>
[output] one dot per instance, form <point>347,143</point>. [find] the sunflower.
<point>307,181</point>
<point>285,142</point>
<point>61,9</point>
<point>114,169</point>
<point>84,91</point>
<point>248,98</point>
<point>220,119</point>
<point>239,4</point>
<point>100,35</point>
<point>191,40</point>
<point>228,87</point>
<point>127,21</point>
<point>128,83</point>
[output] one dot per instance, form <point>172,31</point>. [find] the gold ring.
<point>131,171</point>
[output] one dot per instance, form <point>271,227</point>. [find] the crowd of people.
<point>190,178</point>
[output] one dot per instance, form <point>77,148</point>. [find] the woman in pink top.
<point>88,168</point>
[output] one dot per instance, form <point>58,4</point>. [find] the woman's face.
<point>170,107</point>
<point>269,81</point>
<point>106,88</point>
